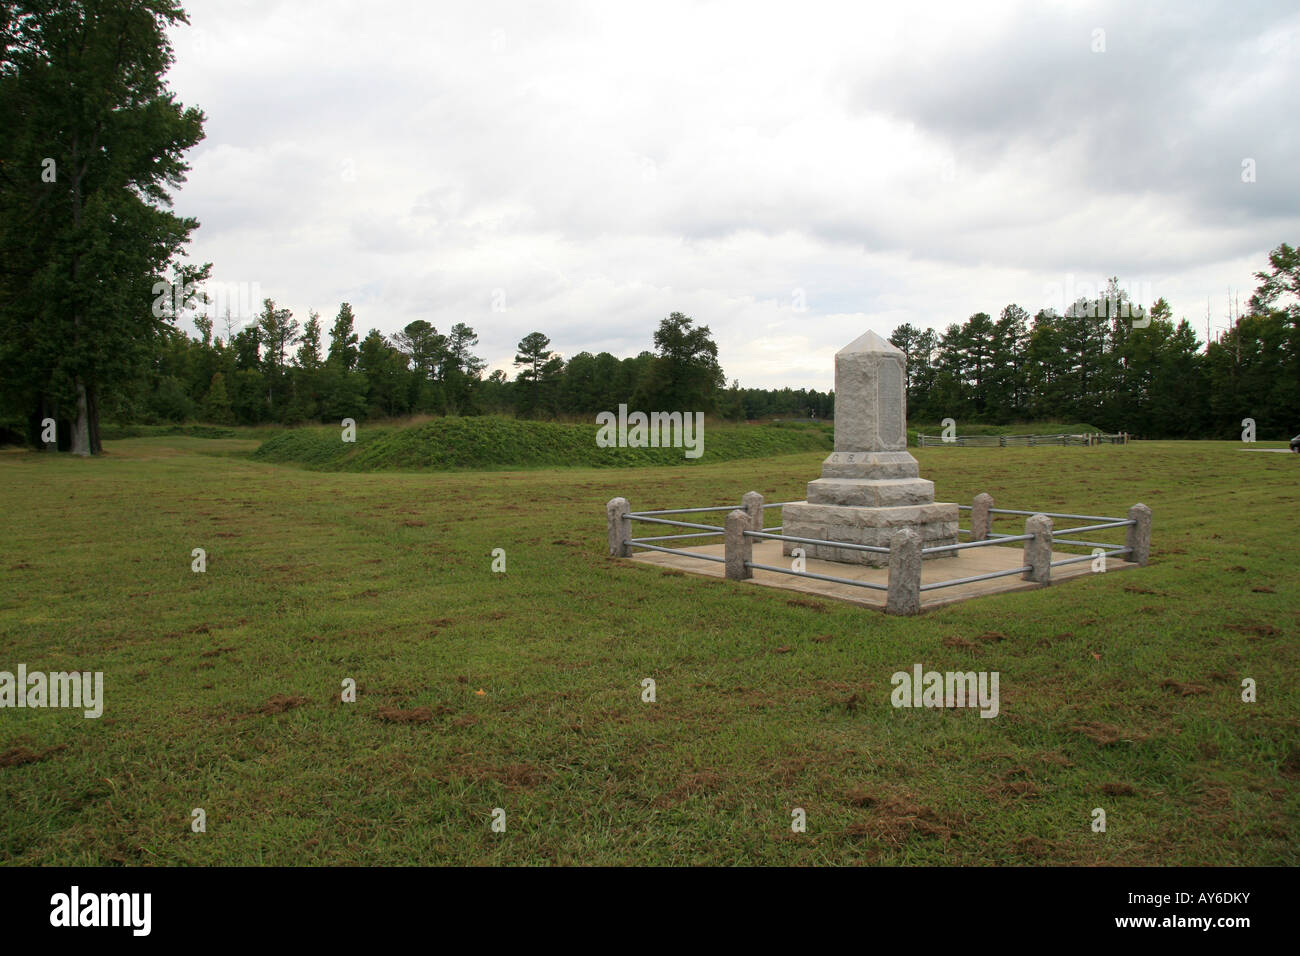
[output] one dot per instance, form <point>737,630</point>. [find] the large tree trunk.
<point>81,427</point>
<point>92,409</point>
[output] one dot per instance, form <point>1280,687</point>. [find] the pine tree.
<point>92,146</point>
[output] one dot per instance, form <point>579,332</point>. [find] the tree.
<point>385,370</point>
<point>85,236</point>
<point>343,340</point>
<point>306,375</point>
<point>424,347</point>
<point>216,404</point>
<point>425,350</point>
<point>536,362</point>
<point>308,354</point>
<point>685,374</point>
<point>976,361</point>
<point>904,338</point>
<point>1278,299</point>
<point>461,369</point>
<point>1007,391</point>
<point>278,330</point>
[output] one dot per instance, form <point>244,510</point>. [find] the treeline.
<point>1116,365</point>
<point>278,371</point>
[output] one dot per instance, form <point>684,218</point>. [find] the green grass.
<point>459,443</point>
<point>197,430</point>
<point>1017,428</point>
<point>523,690</point>
<point>969,429</point>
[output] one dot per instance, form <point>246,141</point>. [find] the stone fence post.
<point>1038,549</point>
<point>620,527</point>
<point>981,517</point>
<point>1138,536</point>
<point>752,503</point>
<point>739,547</point>
<point>904,596</point>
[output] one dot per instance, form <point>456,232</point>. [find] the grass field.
<point>523,690</point>
<point>477,443</point>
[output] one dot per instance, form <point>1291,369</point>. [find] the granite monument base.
<point>936,522</point>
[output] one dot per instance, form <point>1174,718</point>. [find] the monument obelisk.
<point>870,486</point>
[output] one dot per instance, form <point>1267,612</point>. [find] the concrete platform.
<point>967,563</point>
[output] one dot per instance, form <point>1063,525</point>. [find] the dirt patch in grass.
<point>1055,759</point>
<point>689,785</point>
<point>1015,784</point>
<point>396,715</point>
<point>991,637</point>
<point>1290,767</point>
<point>812,605</point>
<point>960,643</point>
<point>1118,790</point>
<point>896,817</point>
<point>1217,798</point>
<point>1035,847</point>
<point>1257,630</point>
<point>521,775</point>
<point>1184,690</point>
<point>1104,734</point>
<point>787,771</point>
<point>513,776</point>
<point>22,755</point>
<point>411,715</point>
<point>280,703</point>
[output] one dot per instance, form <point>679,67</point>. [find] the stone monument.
<point>870,486</point>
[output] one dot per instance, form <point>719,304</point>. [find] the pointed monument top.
<point>869,342</point>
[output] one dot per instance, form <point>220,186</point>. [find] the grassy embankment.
<point>523,691</point>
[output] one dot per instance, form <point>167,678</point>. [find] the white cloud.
<point>596,166</point>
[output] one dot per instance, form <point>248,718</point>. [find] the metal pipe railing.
<point>1114,523</point>
<point>1001,539</point>
<point>821,541</point>
<point>819,577</point>
<point>904,575</point>
<point>688,554</point>
<point>691,534</point>
<point>1089,557</point>
<point>678,524</point>
<point>935,585</point>
<point>680,511</point>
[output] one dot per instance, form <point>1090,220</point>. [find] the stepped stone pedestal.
<point>870,486</point>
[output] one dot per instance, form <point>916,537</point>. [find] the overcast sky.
<point>790,175</point>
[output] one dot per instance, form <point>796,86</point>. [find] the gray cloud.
<point>787,176</point>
